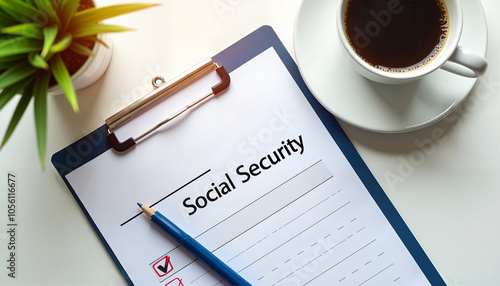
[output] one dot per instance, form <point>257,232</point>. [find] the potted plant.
<point>42,44</point>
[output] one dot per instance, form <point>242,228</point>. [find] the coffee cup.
<point>398,41</point>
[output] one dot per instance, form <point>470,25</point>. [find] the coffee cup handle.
<point>466,63</point>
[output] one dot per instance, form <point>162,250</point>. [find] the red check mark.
<point>164,268</point>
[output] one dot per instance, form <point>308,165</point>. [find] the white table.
<point>447,190</point>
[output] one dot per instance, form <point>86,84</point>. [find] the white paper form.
<point>257,179</point>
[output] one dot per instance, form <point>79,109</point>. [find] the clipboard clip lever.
<point>163,90</point>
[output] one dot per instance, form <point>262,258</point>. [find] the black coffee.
<point>396,35</point>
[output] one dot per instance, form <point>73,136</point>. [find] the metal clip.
<point>162,91</point>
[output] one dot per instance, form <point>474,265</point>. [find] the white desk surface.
<point>449,197</point>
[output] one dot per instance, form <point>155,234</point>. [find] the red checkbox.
<point>175,282</point>
<point>163,266</point>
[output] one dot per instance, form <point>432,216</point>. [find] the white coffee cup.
<point>452,57</point>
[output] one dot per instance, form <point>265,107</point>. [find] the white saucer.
<point>368,105</point>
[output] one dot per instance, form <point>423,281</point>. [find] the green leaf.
<point>63,78</point>
<point>28,30</point>
<point>12,58</point>
<point>18,113</point>
<point>37,61</point>
<point>46,7</point>
<point>31,2</point>
<point>81,49</point>
<point>8,93</point>
<point>16,73</point>
<point>40,95</point>
<point>5,15</point>
<point>94,29</point>
<point>9,61</point>
<point>11,13</point>
<point>95,15</point>
<point>67,9</point>
<point>19,45</point>
<point>6,65</point>
<point>50,34</point>
<point>6,20</point>
<point>62,44</point>
<point>19,9</point>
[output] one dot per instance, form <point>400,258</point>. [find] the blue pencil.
<point>193,246</point>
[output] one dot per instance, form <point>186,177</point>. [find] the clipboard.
<point>103,142</point>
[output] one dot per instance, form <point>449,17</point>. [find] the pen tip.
<point>139,204</point>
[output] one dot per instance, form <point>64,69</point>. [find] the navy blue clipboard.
<point>94,144</point>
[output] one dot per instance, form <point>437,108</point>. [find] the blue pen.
<point>193,246</point>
